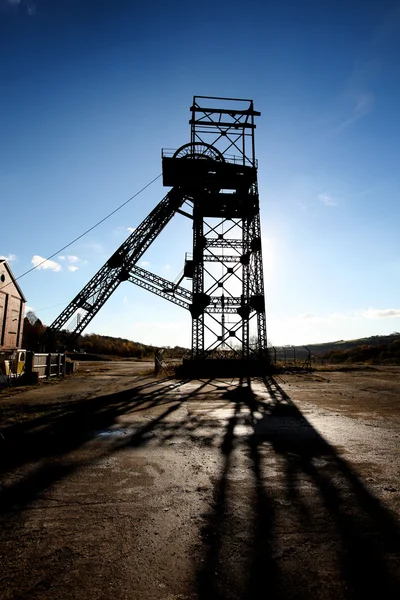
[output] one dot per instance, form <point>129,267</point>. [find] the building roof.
<point>7,266</point>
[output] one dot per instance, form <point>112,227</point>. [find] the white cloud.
<point>29,309</point>
<point>41,263</point>
<point>131,229</point>
<point>72,268</point>
<point>121,230</point>
<point>308,316</point>
<point>381,313</point>
<point>144,263</point>
<point>71,259</point>
<point>327,200</point>
<point>8,258</point>
<point>167,267</point>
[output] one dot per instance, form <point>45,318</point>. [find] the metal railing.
<point>48,365</point>
<point>229,158</point>
<point>291,357</point>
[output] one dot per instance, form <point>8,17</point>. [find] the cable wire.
<point>90,229</point>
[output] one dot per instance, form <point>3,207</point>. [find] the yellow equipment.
<point>12,362</point>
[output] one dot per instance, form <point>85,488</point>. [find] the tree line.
<point>387,353</point>
<point>92,343</point>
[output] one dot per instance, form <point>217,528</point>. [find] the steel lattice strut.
<point>78,314</point>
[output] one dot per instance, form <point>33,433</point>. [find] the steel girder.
<point>161,287</point>
<point>198,286</point>
<point>179,295</point>
<point>78,314</point>
<point>222,243</point>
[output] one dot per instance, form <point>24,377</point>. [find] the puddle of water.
<point>110,433</point>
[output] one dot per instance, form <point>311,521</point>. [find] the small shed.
<point>12,309</point>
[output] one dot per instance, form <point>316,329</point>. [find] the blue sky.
<point>91,92</point>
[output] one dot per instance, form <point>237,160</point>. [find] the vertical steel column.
<point>198,281</point>
<point>258,282</point>
<point>246,236</point>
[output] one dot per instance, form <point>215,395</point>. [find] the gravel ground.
<point>116,485</point>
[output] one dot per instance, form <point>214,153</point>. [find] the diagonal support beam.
<point>78,314</point>
<point>161,287</point>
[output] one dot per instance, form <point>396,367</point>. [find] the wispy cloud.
<point>72,260</point>
<point>121,230</point>
<point>327,200</point>
<point>304,205</point>
<point>28,5</point>
<point>144,263</point>
<point>41,263</point>
<point>362,104</point>
<point>29,308</point>
<point>355,315</point>
<point>8,258</point>
<point>381,313</point>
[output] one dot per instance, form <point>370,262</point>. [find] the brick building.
<point>12,309</point>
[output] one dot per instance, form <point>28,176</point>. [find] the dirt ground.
<point>115,485</point>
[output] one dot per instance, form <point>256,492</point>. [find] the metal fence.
<point>39,365</point>
<point>291,357</point>
<point>48,365</point>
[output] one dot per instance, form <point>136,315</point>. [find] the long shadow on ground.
<point>288,518</point>
<point>315,531</point>
<point>39,450</point>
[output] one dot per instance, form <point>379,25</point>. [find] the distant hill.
<point>340,345</point>
<point>378,349</point>
<point>93,343</point>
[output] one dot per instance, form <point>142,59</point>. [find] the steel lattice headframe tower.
<point>218,170</point>
<point>215,177</point>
